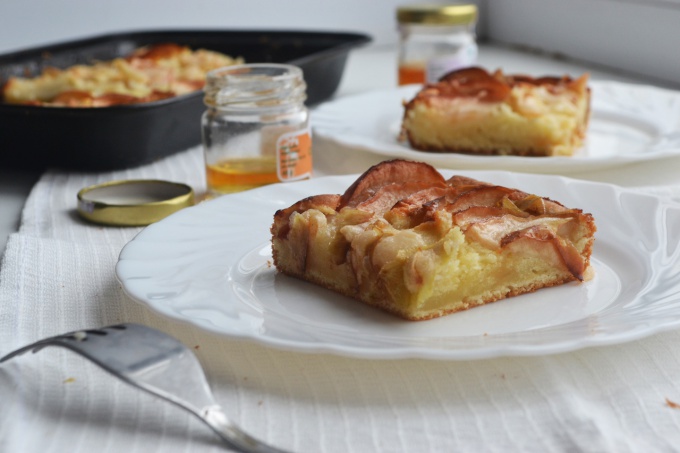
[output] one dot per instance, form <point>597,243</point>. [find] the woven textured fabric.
<point>58,275</point>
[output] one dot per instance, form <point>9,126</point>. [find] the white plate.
<point>629,123</point>
<point>210,265</point>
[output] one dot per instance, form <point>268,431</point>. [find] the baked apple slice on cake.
<point>406,240</point>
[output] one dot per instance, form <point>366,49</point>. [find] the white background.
<point>639,37</point>
<point>29,22</point>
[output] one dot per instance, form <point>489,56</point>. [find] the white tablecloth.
<point>58,276</point>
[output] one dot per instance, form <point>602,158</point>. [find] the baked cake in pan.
<point>150,73</point>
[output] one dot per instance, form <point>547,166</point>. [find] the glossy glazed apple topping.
<point>478,83</point>
<point>408,201</point>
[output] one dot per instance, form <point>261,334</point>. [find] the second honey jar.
<point>435,40</point>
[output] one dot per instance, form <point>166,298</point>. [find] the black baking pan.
<point>110,138</point>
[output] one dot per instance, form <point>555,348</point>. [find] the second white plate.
<point>211,265</point>
<point>629,123</point>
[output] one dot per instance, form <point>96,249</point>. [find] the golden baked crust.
<point>148,74</point>
<point>405,240</point>
<point>471,111</point>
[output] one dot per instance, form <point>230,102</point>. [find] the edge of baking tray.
<point>97,139</point>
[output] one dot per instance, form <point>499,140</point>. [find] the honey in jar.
<point>256,128</point>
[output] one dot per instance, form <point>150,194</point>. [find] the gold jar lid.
<point>456,14</point>
<point>133,202</point>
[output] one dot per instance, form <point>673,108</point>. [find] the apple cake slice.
<point>474,112</point>
<point>405,239</point>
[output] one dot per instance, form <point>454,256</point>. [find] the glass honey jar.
<point>435,40</point>
<point>256,127</point>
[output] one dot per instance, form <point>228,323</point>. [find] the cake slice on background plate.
<point>474,112</point>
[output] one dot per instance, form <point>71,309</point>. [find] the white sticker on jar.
<point>438,66</point>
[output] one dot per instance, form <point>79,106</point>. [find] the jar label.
<point>294,155</point>
<point>439,66</point>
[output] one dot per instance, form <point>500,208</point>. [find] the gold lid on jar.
<point>458,14</point>
<point>133,202</point>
